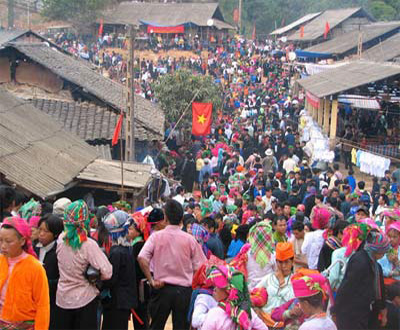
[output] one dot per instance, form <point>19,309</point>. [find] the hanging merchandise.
<point>317,143</point>
<point>372,164</point>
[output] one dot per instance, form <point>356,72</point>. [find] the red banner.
<point>201,118</point>
<point>312,99</point>
<point>165,29</point>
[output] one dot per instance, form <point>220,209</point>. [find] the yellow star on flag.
<point>201,119</point>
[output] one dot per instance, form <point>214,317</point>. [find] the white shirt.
<point>289,165</point>
<point>323,323</point>
<point>179,198</point>
<point>312,246</point>
<point>268,202</point>
<point>204,302</point>
<point>44,250</point>
<point>255,272</point>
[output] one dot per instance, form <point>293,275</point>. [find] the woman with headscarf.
<point>24,293</point>
<point>31,212</point>
<point>312,292</point>
<point>391,261</point>
<point>360,300</point>
<point>122,285</point>
<point>353,238</point>
<point>201,235</point>
<point>76,295</point>
<point>202,300</point>
<point>256,259</point>
<point>138,232</point>
<point>234,310</point>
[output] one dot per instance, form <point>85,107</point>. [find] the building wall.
<point>5,71</point>
<point>35,75</point>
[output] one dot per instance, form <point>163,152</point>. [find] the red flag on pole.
<point>117,130</point>
<point>254,35</point>
<point>327,29</point>
<point>302,31</point>
<point>101,28</point>
<point>235,15</point>
<point>202,118</point>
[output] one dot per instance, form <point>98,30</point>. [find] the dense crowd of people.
<point>255,236</point>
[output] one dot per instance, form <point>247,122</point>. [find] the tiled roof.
<point>107,91</point>
<point>88,121</point>
<point>36,153</point>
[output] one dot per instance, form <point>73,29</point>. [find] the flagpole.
<point>181,117</point>
<point>179,120</point>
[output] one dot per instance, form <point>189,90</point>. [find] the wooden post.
<point>334,114</point>
<point>320,112</point>
<point>130,110</point>
<point>327,111</point>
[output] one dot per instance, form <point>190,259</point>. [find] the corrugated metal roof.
<point>385,51</point>
<point>349,41</point>
<point>147,114</point>
<point>295,24</point>
<point>136,175</point>
<point>35,152</point>
<point>347,77</point>
<point>316,28</point>
<point>164,14</point>
<point>89,121</point>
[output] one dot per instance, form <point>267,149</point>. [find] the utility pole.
<point>240,16</point>
<point>360,44</point>
<point>130,110</point>
<point>10,14</point>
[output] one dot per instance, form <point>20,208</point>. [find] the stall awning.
<point>359,101</point>
<point>303,53</point>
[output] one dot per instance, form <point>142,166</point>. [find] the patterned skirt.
<point>26,325</point>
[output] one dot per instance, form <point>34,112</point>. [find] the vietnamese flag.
<point>327,29</point>
<point>117,130</point>
<point>202,118</point>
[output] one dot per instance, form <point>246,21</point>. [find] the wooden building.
<point>340,21</point>
<point>202,19</point>
<point>81,99</point>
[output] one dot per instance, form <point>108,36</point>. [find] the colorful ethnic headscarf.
<point>353,236</point>
<point>24,229</point>
<point>117,224</point>
<point>76,224</point>
<point>202,236</point>
<point>237,305</point>
<point>31,212</point>
<point>260,239</point>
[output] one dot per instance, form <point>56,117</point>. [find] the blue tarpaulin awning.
<point>303,53</point>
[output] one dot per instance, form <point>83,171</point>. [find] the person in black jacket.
<point>332,243</point>
<point>122,285</point>
<point>50,227</point>
<point>138,231</point>
<point>360,300</point>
